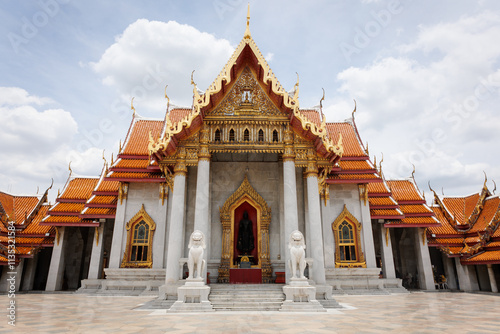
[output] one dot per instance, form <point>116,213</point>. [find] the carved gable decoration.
<point>246,97</point>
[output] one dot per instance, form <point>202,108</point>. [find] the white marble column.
<point>116,253</point>
<point>493,282</point>
<point>367,234</point>
<point>290,203</point>
<point>425,276</point>
<point>449,272</point>
<point>176,228</point>
<point>11,277</point>
<point>56,268</point>
<point>464,276</point>
<point>159,237</point>
<point>29,273</point>
<point>201,214</point>
<point>328,238</point>
<point>314,213</point>
<point>387,256</point>
<point>96,256</point>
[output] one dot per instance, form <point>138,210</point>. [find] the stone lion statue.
<point>195,258</point>
<point>297,248</point>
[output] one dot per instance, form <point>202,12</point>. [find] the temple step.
<point>246,297</point>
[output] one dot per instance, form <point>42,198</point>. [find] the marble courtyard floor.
<point>419,312</point>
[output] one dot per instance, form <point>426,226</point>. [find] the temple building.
<point>246,166</point>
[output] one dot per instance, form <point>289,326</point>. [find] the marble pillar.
<point>160,233</point>
<point>10,281</point>
<point>367,234</point>
<point>29,273</point>
<point>116,252</point>
<point>96,256</point>
<point>493,281</point>
<point>201,213</point>
<point>328,238</point>
<point>290,206</point>
<point>56,268</point>
<point>387,256</point>
<point>176,228</point>
<point>449,272</point>
<point>464,276</point>
<point>424,266</point>
<point>315,229</point>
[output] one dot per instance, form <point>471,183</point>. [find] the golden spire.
<point>132,105</point>
<point>166,96</point>
<point>247,31</point>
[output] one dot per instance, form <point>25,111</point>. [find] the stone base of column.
<point>192,297</point>
<point>300,297</point>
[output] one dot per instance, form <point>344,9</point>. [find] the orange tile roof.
<point>414,208</point>
<point>377,188</point>
<point>79,188</point>
<point>355,165</point>
<point>177,114</point>
<point>99,211</point>
<point>137,139</point>
<point>61,219</point>
<point>102,200</point>
<point>445,228</point>
<point>132,163</point>
<point>493,244</point>
<point>449,241</point>
<point>404,190</point>
<point>311,115</point>
<point>67,207</point>
<point>23,206</point>
<point>7,202</point>
<point>108,186</point>
<point>353,177</point>
<point>419,220</point>
<point>352,146</point>
<point>126,175</point>
<point>461,207</point>
<point>387,212</point>
<point>489,256</point>
<point>34,227</point>
<point>491,207</point>
<point>386,201</point>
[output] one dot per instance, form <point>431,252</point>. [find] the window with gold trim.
<point>218,135</point>
<point>138,252</point>
<point>231,135</point>
<point>346,230</point>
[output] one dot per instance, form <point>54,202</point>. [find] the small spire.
<point>132,105</point>
<point>247,31</point>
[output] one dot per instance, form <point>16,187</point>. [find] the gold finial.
<point>70,170</point>
<point>51,184</point>
<point>296,88</point>
<point>380,163</point>
<point>413,173</point>
<point>367,152</point>
<point>322,99</point>
<point>120,146</point>
<point>354,108</point>
<point>132,105</point>
<point>494,189</point>
<point>375,161</point>
<point>112,162</point>
<point>103,158</point>
<point>37,189</point>
<point>442,192</point>
<point>192,81</point>
<point>166,96</point>
<point>58,193</point>
<point>485,179</point>
<point>247,31</point>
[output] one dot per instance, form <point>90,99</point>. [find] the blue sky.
<point>425,75</point>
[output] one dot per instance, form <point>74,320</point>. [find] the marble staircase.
<point>246,297</point>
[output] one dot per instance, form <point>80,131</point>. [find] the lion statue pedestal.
<point>300,296</point>
<point>193,295</point>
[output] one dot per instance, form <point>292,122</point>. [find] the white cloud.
<point>150,54</point>
<point>35,144</point>
<point>433,102</point>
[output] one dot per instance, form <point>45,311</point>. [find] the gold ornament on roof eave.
<point>201,101</point>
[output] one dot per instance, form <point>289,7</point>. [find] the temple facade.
<point>246,166</point>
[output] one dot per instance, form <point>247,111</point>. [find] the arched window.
<point>346,230</point>
<point>246,135</point>
<point>346,242</point>
<point>217,135</point>
<point>138,252</point>
<point>261,135</point>
<point>231,135</point>
<point>275,136</point>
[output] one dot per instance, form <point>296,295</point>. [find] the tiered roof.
<point>69,204</point>
<point>469,227</point>
<point>24,213</point>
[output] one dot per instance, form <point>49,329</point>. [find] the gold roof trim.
<point>201,101</point>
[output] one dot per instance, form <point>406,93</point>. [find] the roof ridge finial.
<point>355,107</point>
<point>247,30</point>
<point>168,100</point>
<point>70,170</point>
<point>132,106</point>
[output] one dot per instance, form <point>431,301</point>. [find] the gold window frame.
<point>141,215</point>
<point>346,216</point>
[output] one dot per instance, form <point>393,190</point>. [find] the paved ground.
<point>412,313</point>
